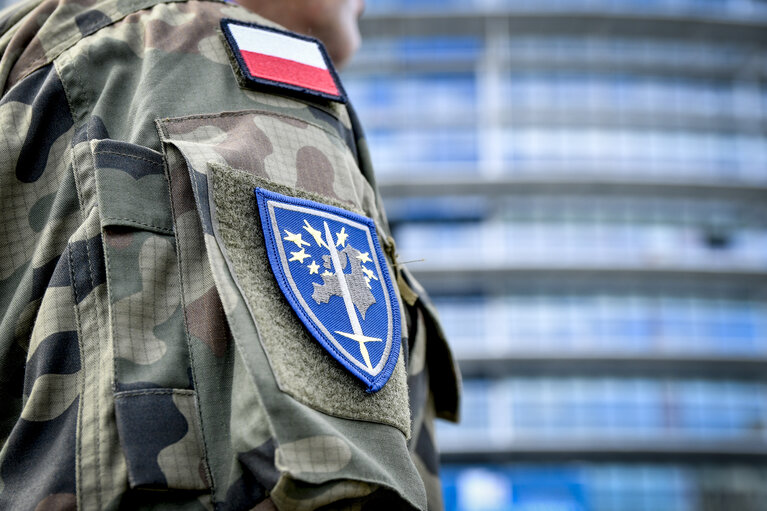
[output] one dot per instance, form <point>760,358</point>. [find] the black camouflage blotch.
<point>90,21</point>
<point>58,353</point>
<point>427,451</point>
<point>346,134</point>
<point>94,129</point>
<point>50,120</point>
<point>260,462</point>
<point>143,500</point>
<point>201,187</point>
<point>12,354</point>
<point>132,159</point>
<point>92,272</point>
<point>245,493</point>
<point>11,383</point>
<point>80,134</point>
<point>26,91</point>
<point>258,475</point>
<point>41,277</point>
<point>39,461</point>
<point>382,499</point>
<point>9,286</point>
<point>40,211</point>
<point>147,424</point>
<point>61,275</point>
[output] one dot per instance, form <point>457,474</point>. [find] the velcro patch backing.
<point>267,57</point>
<point>301,366</point>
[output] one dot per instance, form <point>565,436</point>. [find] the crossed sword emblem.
<point>358,336</point>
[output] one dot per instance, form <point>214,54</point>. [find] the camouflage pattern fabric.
<point>137,360</point>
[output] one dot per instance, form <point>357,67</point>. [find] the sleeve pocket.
<point>155,400</point>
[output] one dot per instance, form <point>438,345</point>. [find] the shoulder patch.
<point>330,267</point>
<point>267,57</point>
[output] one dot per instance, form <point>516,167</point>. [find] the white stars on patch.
<point>364,258</point>
<point>295,238</point>
<point>341,237</point>
<point>299,256</point>
<point>317,235</point>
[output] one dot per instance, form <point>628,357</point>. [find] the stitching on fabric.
<point>81,377</point>
<point>111,317</point>
<point>165,230</point>
<point>153,162</point>
<point>242,113</point>
<point>98,407</point>
<point>153,392</point>
<point>182,291</point>
<point>195,191</point>
<point>80,337</point>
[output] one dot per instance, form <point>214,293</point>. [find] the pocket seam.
<point>128,156</point>
<point>240,113</point>
<point>107,221</point>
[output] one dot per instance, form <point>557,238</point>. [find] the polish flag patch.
<point>284,60</point>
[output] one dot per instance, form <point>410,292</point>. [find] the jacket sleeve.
<point>44,255</point>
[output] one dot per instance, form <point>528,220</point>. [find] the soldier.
<point>201,302</point>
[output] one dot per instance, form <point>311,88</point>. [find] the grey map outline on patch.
<point>361,296</point>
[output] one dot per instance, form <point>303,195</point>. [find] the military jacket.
<point>148,357</point>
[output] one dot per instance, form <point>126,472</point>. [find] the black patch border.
<point>253,82</point>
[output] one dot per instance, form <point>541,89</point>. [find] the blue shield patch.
<point>330,267</point>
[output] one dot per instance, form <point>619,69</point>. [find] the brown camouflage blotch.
<point>240,132</point>
<point>208,323</point>
<point>26,45</point>
<point>315,172</point>
<point>296,123</point>
<point>185,126</point>
<point>135,17</point>
<point>58,502</point>
<point>118,238</point>
<point>181,39</point>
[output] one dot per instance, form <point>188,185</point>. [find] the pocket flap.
<point>132,187</point>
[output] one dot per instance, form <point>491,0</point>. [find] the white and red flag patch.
<point>275,58</point>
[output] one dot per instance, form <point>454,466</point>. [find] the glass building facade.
<point>581,186</point>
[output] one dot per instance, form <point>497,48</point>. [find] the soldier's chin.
<point>343,44</point>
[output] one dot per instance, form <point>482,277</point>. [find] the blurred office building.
<point>587,182</point>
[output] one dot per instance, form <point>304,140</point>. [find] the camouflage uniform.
<point>147,357</point>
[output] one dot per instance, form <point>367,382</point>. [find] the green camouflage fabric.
<point>147,359</point>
